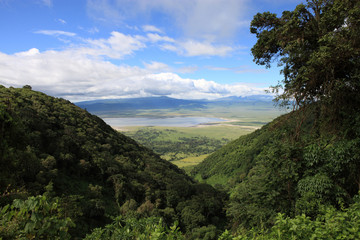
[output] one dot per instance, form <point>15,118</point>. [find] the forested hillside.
<point>51,147</point>
<point>308,160</point>
<point>291,165</point>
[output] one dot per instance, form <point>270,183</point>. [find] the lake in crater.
<point>165,122</point>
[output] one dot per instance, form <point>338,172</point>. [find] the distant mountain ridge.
<point>140,103</point>
<point>251,98</point>
<point>163,102</point>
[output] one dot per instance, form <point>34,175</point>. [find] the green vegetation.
<point>37,217</point>
<point>187,146</point>
<point>329,224</point>
<point>317,45</point>
<point>65,174</point>
<point>132,228</point>
<point>308,160</point>
<point>50,146</point>
<point>188,162</point>
<point>286,167</point>
<point>174,145</point>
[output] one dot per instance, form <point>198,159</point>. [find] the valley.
<point>186,146</point>
<point>185,132</point>
<point>229,166</point>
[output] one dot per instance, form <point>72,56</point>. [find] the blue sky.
<point>92,49</point>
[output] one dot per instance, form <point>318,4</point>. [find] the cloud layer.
<point>80,74</point>
<point>200,19</point>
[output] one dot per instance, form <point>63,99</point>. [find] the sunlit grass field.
<point>212,131</point>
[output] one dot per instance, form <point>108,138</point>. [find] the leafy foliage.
<point>132,228</point>
<point>329,224</point>
<point>286,167</point>
<point>318,46</point>
<point>35,218</point>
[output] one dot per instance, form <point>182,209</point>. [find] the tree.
<point>318,47</point>
<point>35,218</point>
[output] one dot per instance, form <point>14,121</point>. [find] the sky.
<point>99,49</point>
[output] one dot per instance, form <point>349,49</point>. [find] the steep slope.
<point>293,165</point>
<point>50,145</point>
<point>236,158</point>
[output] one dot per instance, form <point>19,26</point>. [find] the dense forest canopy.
<point>318,47</point>
<point>307,160</point>
<point>50,147</point>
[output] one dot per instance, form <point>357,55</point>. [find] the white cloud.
<point>154,37</point>
<point>56,33</point>
<point>116,46</point>
<point>192,48</point>
<point>220,68</point>
<point>73,75</point>
<point>30,52</point>
<point>210,19</point>
<point>170,47</point>
<point>200,19</point>
<point>119,45</point>
<point>151,28</point>
<point>240,69</point>
<point>62,21</point>
<point>157,67</point>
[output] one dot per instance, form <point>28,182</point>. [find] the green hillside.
<point>292,165</point>
<point>51,147</point>
<point>234,159</point>
<point>304,165</point>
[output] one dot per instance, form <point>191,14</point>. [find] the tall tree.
<point>318,47</point>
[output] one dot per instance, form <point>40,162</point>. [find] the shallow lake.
<point>166,122</point>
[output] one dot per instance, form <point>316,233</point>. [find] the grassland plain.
<point>188,146</point>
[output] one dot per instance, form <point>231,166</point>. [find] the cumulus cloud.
<point>119,45</point>
<point>203,22</point>
<point>75,76</point>
<point>116,46</point>
<point>30,52</point>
